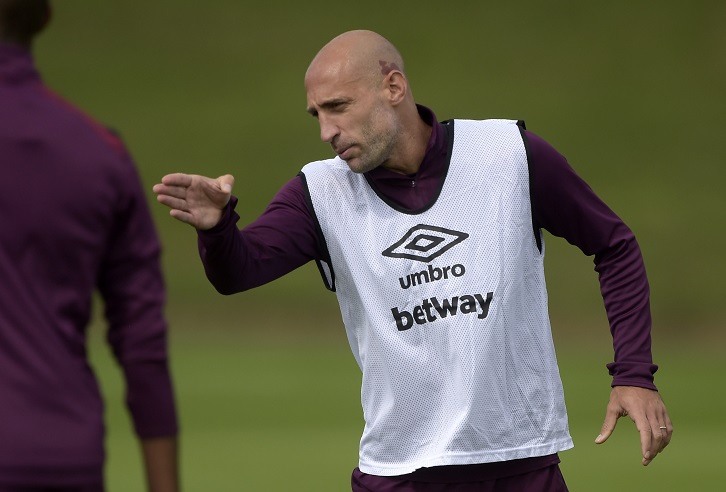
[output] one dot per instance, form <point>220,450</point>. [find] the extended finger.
<point>177,179</point>
<point>657,436</point>
<point>659,440</point>
<point>173,203</point>
<point>173,191</point>
<point>182,216</point>
<point>611,420</point>
<point>662,430</point>
<point>647,429</point>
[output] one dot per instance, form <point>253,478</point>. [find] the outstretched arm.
<point>193,199</point>
<point>647,410</point>
<point>280,240</point>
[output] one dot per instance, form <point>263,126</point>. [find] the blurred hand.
<point>193,199</point>
<point>647,410</point>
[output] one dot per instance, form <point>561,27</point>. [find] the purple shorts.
<point>547,479</point>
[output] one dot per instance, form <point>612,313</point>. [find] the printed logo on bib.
<point>433,309</point>
<point>424,243</point>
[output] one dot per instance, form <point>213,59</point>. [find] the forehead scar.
<point>387,68</point>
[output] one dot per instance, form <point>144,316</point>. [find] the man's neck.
<point>412,149</point>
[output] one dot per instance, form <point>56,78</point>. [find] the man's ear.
<point>397,86</point>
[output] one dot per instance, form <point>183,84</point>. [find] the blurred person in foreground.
<point>74,220</point>
<point>430,233</point>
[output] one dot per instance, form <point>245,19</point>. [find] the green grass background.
<point>631,92</point>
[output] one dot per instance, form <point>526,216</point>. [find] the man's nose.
<point>328,129</point>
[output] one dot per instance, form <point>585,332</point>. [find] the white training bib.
<point>445,309</point>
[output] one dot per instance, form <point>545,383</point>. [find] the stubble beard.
<point>377,148</point>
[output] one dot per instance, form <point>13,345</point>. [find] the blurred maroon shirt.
<point>74,220</point>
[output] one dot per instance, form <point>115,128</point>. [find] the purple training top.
<point>284,238</point>
<point>74,219</point>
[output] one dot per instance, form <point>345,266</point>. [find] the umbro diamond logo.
<point>424,243</point>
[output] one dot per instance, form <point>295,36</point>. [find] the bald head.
<point>358,92</point>
<point>362,55</point>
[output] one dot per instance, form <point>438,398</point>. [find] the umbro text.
<point>431,274</point>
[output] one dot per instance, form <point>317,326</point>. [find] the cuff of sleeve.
<point>229,219</point>
<point>228,216</point>
<point>633,374</point>
<point>150,399</point>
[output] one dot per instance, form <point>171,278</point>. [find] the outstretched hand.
<point>193,199</point>
<point>647,410</point>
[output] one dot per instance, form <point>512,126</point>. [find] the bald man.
<point>430,234</point>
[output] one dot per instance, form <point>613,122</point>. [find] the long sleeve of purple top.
<point>284,238</point>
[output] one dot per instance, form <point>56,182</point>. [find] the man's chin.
<point>358,167</point>
<point>353,166</point>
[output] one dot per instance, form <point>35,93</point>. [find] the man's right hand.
<point>193,199</point>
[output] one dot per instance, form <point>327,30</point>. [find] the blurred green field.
<point>258,411</point>
<point>631,92</point>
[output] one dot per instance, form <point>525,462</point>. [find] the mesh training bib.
<point>446,309</point>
